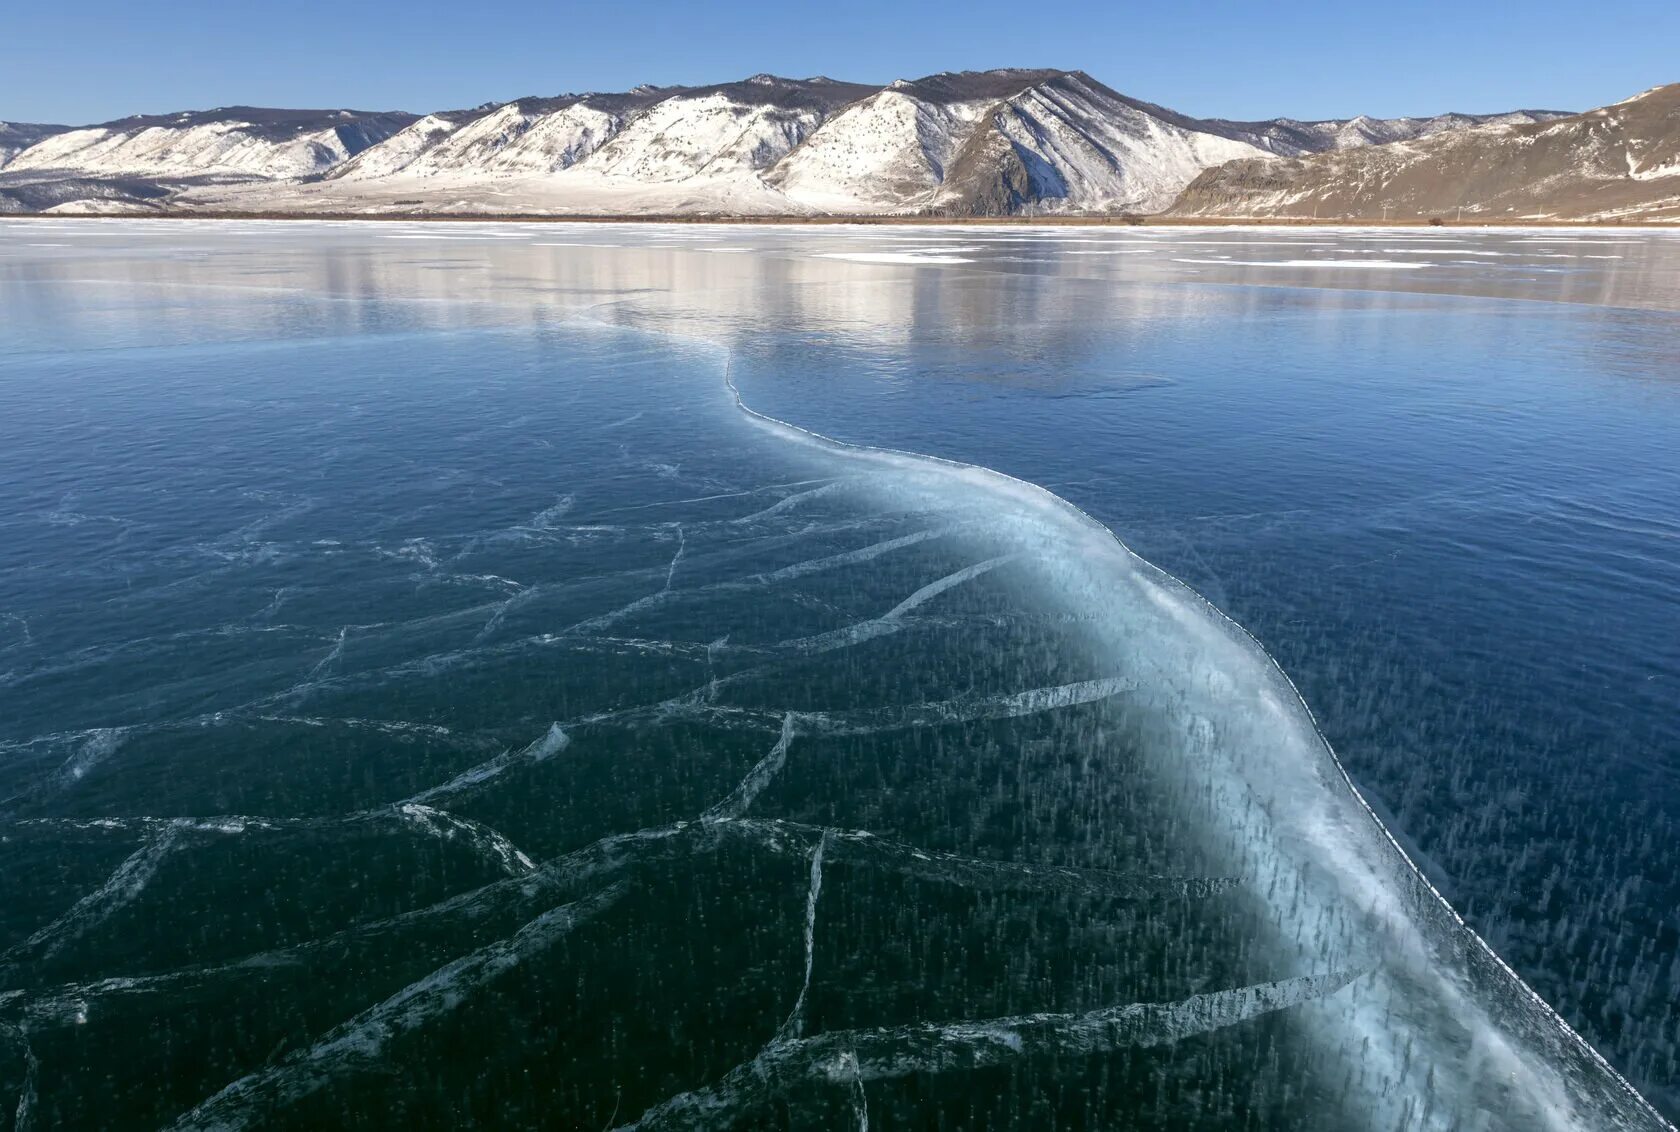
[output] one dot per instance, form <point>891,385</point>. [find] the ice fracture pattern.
<point>576,747</point>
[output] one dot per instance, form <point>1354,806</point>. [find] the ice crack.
<point>358,1044</point>
<point>757,778</point>
<point>795,1024</point>
<point>852,1057</point>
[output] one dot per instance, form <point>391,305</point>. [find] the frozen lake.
<point>463,675</point>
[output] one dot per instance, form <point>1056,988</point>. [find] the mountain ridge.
<point>1008,141</point>
<point>1615,162</point>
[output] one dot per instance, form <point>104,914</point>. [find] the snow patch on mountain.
<point>888,152</point>
<point>230,143</point>
<point>15,137</point>
<point>1091,150</point>
<point>712,134</point>
<point>1005,141</point>
<point>399,151</point>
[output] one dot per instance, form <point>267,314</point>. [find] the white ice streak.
<point>124,884</point>
<point>742,494</point>
<point>892,620</point>
<point>490,842</point>
<point>401,728</point>
<point>1286,812</point>
<point>788,502</point>
<point>502,609</point>
<point>163,837</point>
<point>326,663</point>
<point>794,1026</point>
<point>24,1111</point>
<point>101,743</point>
<point>844,558</point>
<point>613,616</point>
<point>359,1044</point>
<point>546,519</point>
<point>763,772</point>
<point>609,857</point>
<point>969,709</point>
<point>544,747</point>
<point>848,1057</point>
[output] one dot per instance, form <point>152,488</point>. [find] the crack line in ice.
<point>545,519</point>
<point>711,498</point>
<point>866,721</point>
<point>985,875</point>
<point>432,664</point>
<point>1549,1092</point>
<point>93,747</point>
<point>795,1025</point>
<point>31,1071</point>
<point>602,860</point>
<point>756,780</point>
<point>676,559</point>
<point>788,502</point>
<point>327,661</point>
<point>845,558</point>
<point>491,842</point>
<point>124,884</point>
<point>163,836</point>
<point>358,1043</point>
<point>935,713</point>
<point>844,1057</point>
<point>546,746</point>
<point>889,622</point>
<point>860,1096</point>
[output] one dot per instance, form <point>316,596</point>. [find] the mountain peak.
<point>1002,140</point>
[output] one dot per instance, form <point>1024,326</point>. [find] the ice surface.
<point>1388,264</point>
<point>847,1056</point>
<point>695,766</point>
<point>911,257</point>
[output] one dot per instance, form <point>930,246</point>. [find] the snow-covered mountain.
<point>15,137</point>
<point>238,141</point>
<point>1616,162</point>
<point>969,143</point>
<point>1286,137</point>
<point>998,142</point>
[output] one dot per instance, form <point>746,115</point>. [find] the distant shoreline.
<point>1080,221</point>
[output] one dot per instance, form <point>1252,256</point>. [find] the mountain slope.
<point>1616,162</point>
<point>1008,141</point>
<point>540,135</point>
<point>15,137</point>
<point>889,151</point>
<point>237,141</point>
<point>1047,141</point>
<point>1287,137</point>
<point>1092,149</point>
<point>649,149</point>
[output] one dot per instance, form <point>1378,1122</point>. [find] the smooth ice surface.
<point>463,684</point>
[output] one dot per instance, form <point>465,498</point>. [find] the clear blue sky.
<point>99,59</point>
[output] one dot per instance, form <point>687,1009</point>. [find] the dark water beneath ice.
<point>427,699</point>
